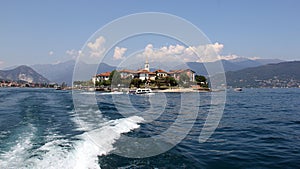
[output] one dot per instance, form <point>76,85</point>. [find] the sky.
<point>40,32</point>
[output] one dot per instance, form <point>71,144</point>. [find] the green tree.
<point>200,78</point>
<point>106,83</point>
<point>136,82</point>
<point>172,81</point>
<point>63,85</point>
<point>115,78</point>
<point>127,81</point>
<point>98,84</point>
<point>158,83</point>
<point>184,80</point>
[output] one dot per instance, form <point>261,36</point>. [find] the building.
<point>101,77</point>
<point>161,73</point>
<point>177,73</point>
<point>127,73</point>
<point>146,74</point>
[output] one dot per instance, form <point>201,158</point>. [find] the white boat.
<point>238,89</point>
<point>57,88</point>
<point>141,91</point>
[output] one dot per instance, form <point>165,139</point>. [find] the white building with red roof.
<point>161,73</point>
<point>101,77</point>
<point>146,74</point>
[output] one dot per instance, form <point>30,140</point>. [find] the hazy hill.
<point>23,73</point>
<point>230,65</point>
<point>63,72</point>
<point>284,74</point>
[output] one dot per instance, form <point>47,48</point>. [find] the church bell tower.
<point>147,66</point>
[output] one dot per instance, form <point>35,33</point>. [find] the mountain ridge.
<point>23,73</point>
<point>283,74</point>
<point>63,72</point>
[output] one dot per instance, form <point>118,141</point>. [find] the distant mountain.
<point>63,72</point>
<point>23,73</point>
<point>268,61</point>
<point>229,65</point>
<point>201,68</point>
<point>284,74</point>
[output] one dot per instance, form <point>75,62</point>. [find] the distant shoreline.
<point>181,90</point>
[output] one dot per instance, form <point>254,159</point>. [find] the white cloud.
<point>119,53</point>
<point>163,52</point>
<point>228,57</point>
<point>206,53</point>
<point>97,48</point>
<point>50,53</point>
<point>148,50</point>
<point>73,53</point>
<point>254,58</point>
<point>200,53</point>
<point>1,62</point>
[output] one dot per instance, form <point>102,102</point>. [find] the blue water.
<point>39,128</point>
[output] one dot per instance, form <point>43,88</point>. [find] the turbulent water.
<point>43,128</point>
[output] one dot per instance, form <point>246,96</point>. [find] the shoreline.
<point>181,90</point>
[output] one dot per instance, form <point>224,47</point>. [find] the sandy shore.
<point>179,90</point>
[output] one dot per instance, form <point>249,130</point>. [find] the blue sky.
<point>34,32</point>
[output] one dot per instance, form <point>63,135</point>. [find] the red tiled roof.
<point>160,71</point>
<point>143,71</point>
<point>104,74</point>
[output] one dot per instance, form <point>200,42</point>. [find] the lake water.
<point>39,128</point>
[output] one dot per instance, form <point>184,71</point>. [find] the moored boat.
<point>58,88</point>
<point>238,89</point>
<point>141,91</point>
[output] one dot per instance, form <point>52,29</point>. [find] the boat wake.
<point>100,141</point>
<point>18,153</point>
<point>80,152</point>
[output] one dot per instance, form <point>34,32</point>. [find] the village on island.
<point>159,80</point>
<point>125,80</point>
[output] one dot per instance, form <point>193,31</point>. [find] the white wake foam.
<point>15,157</point>
<point>100,141</point>
<point>63,153</point>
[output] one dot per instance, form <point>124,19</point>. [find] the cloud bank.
<point>74,53</point>
<point>201,53</point>
<point>119,53</point>
<point>97,48</point>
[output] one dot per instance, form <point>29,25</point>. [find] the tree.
<point>136,82</point>
<point>173,82</point>
<point>170,81</point>
<point>63,85</point>
<point>115,78</point>
<point>98,84</point>
<point>184,80</point>
<point>200,78</point>
<point>127,81</point>
<point>106,83</point>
